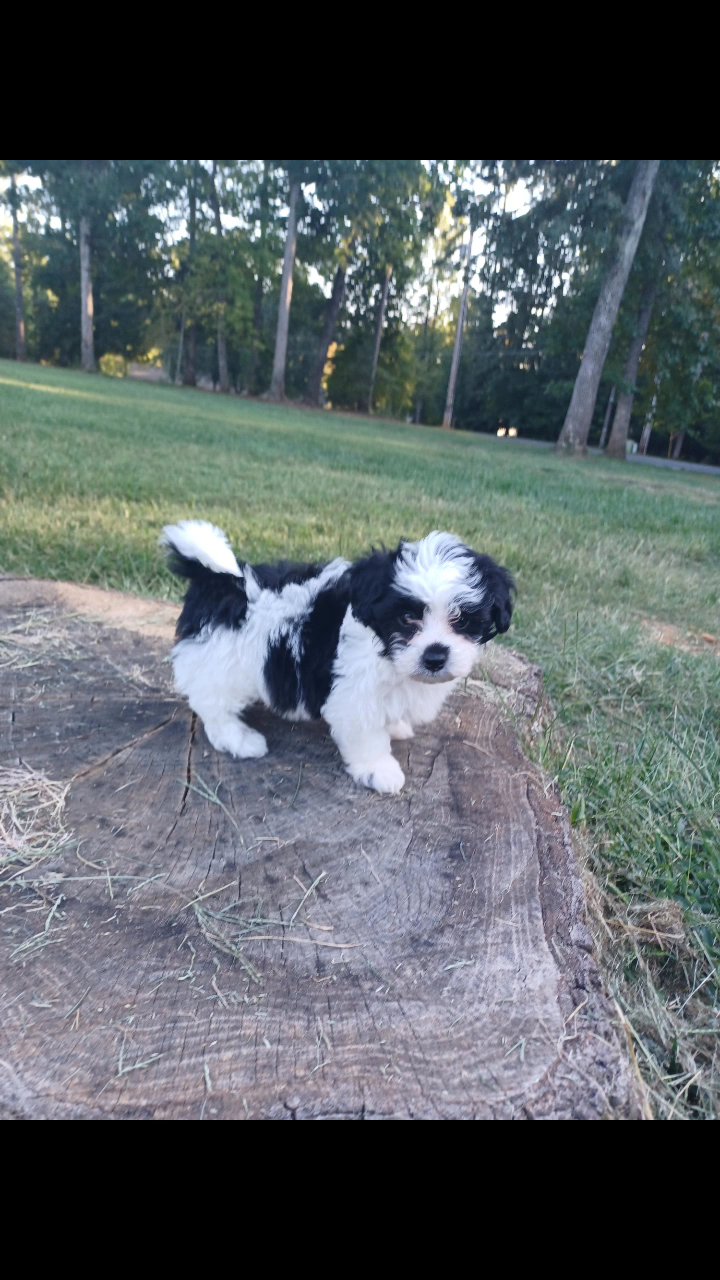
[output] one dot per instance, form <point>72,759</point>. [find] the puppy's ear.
<point>500,592</point>
<point>370,582</point>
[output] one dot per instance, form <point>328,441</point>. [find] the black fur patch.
<point>281,676</point>
<point>216,599</point>
<point>492,615</point>
<point>273,577</point>
<point>377,603</point>
<point>319,642</point>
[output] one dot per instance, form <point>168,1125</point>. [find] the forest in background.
<point>576,301</point>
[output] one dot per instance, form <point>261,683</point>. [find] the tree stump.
<point>195,937</point>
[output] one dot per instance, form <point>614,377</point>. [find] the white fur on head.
<point>199,540</point>
<point>437,570</point>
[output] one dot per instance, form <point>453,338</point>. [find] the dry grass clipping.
<point>664,983</point>
<point>32,826</point>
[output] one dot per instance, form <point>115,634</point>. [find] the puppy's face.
<point>432,604</point>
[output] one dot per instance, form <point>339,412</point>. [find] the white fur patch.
<point>199,540</point>
<point>437,570</point>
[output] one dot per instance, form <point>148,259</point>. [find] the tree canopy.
<point>185,266</point>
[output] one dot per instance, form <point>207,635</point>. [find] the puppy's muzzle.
<point>434,658</point>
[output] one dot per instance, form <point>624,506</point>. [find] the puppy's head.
<point>432,604</point>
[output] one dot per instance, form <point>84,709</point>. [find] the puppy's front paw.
<point>400,730</point>
<point>238,740</point>
<point>383,775</point>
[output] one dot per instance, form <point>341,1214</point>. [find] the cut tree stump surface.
<point>226,939</point>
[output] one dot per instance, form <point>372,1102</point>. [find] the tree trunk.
<point>608,416</point>
<point>257,342</point>
<point>222,306</point>
<point>678,442</point>
<point>617,444</point>
<point>277,385</point>
<point>181,346</point>
<point>337,297</point>
<point>87,309</point>
<point>645,437</point>
<point>190,362</point>
<point>20,342</point>
<point>427,345</point>
<point>457,350</point>
<point>378,337</point>
<point>223,371</point>
<point>574,434</point>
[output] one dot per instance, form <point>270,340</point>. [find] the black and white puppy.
<point>374,647</point>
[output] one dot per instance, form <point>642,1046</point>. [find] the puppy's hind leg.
<point>227,733</point>
<point>217,689</point>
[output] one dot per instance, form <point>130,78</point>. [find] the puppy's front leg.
<point>400,730</point>
<point>367,756</point>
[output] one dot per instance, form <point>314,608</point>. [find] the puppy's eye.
<point>458,619</point>
<point>411,620</point>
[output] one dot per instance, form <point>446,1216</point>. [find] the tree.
<point>447,421</point>
<point>617,444</point>
<point>87,304</point>
<point>382,307</point>
<point>369,220</point>
<point>100,213</point>
<point>187,358</point>
<point>296,175</point>
<point>576,427</point>
<point>13,168</point>
<point>222,302</point>
<point>263,255</point>
<point>475,205</point>
<point>83,189</point>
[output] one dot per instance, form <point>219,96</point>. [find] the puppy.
<point>374,647</point>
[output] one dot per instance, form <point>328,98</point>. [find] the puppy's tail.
<point>196,546</point>
<point>216,595</point>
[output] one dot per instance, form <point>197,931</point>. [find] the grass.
<point>90,470</point>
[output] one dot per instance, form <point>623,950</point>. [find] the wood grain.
<point>262,939</point>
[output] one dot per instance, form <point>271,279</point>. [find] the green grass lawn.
<point>90,470</point>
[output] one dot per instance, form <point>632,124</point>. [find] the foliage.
<point>186,256</point>
<point>113,366</point>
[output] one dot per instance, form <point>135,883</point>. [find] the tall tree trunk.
<point>457,349</point>
<point>222,306</point>
<point>257,341</point>
<point>378,337</point>
<point>617,444</point>
<point>87,309</point>
<point>20,342</point>
<point>608,416</point>
<point>425,357</point>
<point>576,427</point>
<point>190,360</point>
<point>678,442</point>
<point>223,371</point>
<point>334,307</point>
<point>181,346</point>
<point>277,385</point>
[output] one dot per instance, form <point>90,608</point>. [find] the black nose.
<point>435,657</point>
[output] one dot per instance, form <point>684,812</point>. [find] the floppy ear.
<point>500,592</point>
<point>370,582</point>
<point>503,589</point>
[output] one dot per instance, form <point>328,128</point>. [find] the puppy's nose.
<point>435,657</point>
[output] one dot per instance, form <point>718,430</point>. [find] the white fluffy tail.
<point>201,541</point>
